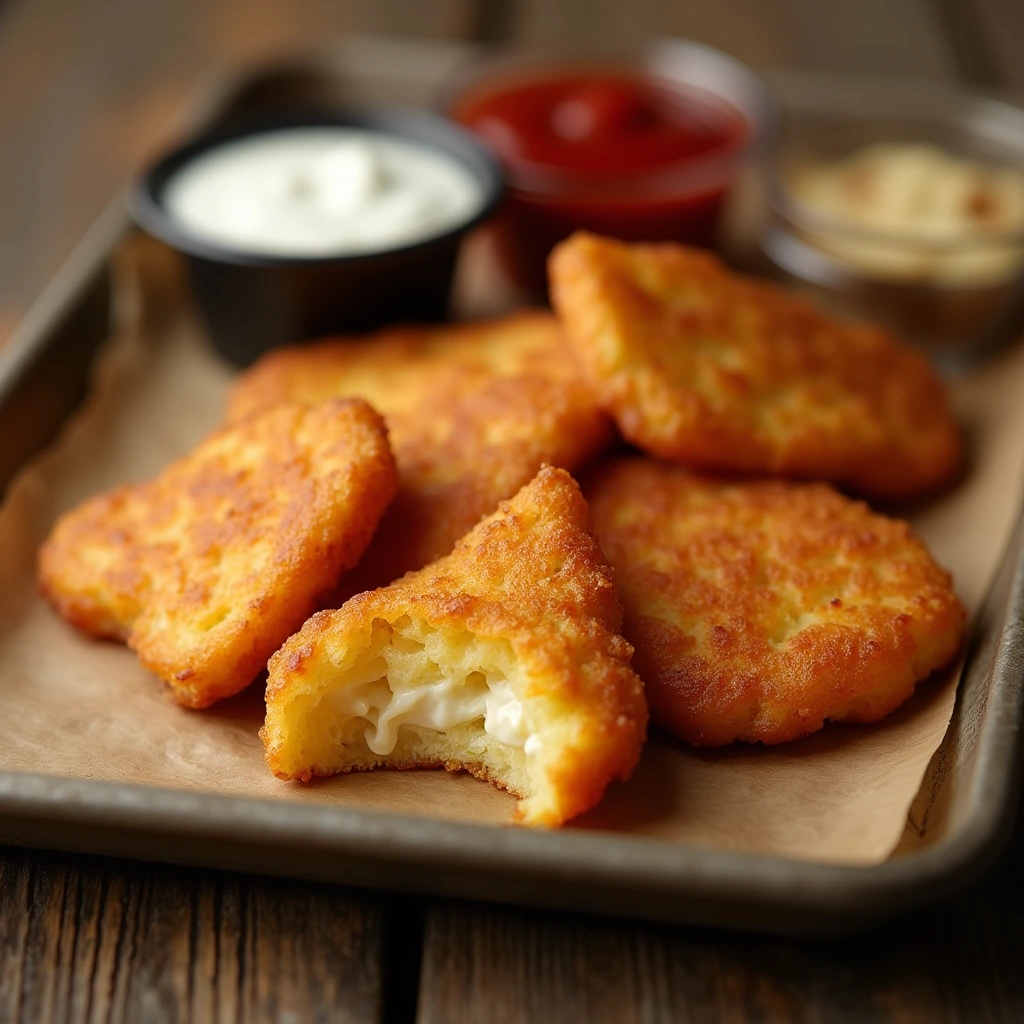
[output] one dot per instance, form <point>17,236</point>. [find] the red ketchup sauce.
<point>633,157</point>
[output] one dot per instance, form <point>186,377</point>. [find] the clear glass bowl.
<point>682,201</point>
<point>959,296</point>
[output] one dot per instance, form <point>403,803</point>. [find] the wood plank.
<point>83,939</point>
<point>999,26</point>
<point>962,24</point>
<point>959,962</point>
<point>899,37</point>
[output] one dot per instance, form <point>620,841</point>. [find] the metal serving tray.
<point>971,787</point>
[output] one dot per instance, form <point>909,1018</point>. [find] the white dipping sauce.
<point>321,191</point>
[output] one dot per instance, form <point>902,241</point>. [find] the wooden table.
<point>87,90</point>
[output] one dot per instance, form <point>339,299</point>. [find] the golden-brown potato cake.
<point>727,374</point>
<point>502,659</point>
<point>473,411</point>
<point>207,569</point>
<point>760,610</point>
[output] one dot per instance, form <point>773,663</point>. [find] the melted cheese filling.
<point>415,676</point>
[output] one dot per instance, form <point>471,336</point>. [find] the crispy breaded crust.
<point>758,611</point>
<point>529,578</point>
<point>473,411</point>
<point>207,569</point>
<point>725,373</point>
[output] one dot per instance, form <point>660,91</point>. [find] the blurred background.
<point>90,88</point>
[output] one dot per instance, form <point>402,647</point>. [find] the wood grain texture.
<point>900,37</point>
<point>963,24</point>
<point>83,939</point>
<point>959,963</point>
<point>999,29</point>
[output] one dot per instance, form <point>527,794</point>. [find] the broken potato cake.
<point>504,659</point>
<point>207,569</point>
<point>759,611</point>
<point>473,410</point>
<point>724,373</point>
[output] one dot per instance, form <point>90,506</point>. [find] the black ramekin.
<point>252,303</point>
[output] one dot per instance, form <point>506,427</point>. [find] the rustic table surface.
<point>88,88</point>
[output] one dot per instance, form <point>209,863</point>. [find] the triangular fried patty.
<point>725,373</point>
<point>207,569</point>
<point>503,658</point>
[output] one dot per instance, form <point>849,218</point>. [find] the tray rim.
<point>665,879</point>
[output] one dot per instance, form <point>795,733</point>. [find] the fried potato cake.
<point>759,611</point>
<point>724,373</point>
<point>473,410</point>
<point>206,570</point>
<point>503,658</point>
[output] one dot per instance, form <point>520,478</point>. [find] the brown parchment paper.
<point>76,708</point>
